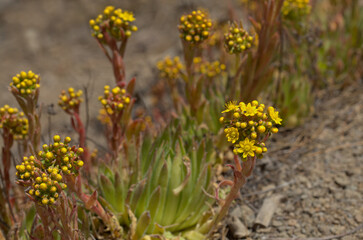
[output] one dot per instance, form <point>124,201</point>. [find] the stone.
<point>267,210</point>
<point>358,216</point>
<point>341,180</point>
<point>277,223</point>
<point>337,229</point>
<point>248,215</point>
<point>238,229</point>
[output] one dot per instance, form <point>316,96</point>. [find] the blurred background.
<point>53,39</point>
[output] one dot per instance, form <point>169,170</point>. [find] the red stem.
<point>240,175</point>
<point>6,157</point>
<point>80,129</point>
<point>75,185</point>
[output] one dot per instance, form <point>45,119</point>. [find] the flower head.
<point>232,134</point>
<point>274,115</point>
<point>44,174</point>
<point>115,22</point>
<point>170,68</point>
<point>26,83</point>
<point>68,159</point>
<point>14,121</point>
<point>237,40</point>
<point>211,69</point>
<point>46,186</point>
<point>114,100</point>
<point>71,101</point>
<point>295,8</point>
<point>249,126</point>
<point>249,110</point>
<point>103,117</point>
<point>246,148</point>
<point>231,106</point>
<point>195,27</point>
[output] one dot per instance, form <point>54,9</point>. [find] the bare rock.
<point>238,229</point>
<point>248,215</point>
<point>337,229</point>
<point>324,229</point>
<point>236,212</point>
<point>341,180</point>
<point>267,210</point>
<point>277,223</point>
<point>358,215</point>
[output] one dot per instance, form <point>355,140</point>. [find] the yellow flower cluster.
<point>26,169</point>
<point>248,126</point>
<point>213,40</point>
<point>296,8</point>
<point>103,117</point>
<point>62,155</point>
<point>170,68</point>
<point>116,22</point>
<point>47,186</point>
<point>15,121</point>
<point>25,83</point>
<point>251,4</point>
<point>45,173</point>
<point>70,101</point>
<point>237,40</point>
<point>114,100</point>
<point>194,28</point>
<point>211,69</point>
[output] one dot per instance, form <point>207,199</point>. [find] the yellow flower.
<point>195,27</point>
<point>249,110</point>
<point>25,83</point>
<point>116,22</point>
<point>127,16</point>
<point>246,147</point>
<point>274,115</point>
<point>232,134</point>
<point>210,69</point>
<point>231,106</point>
<point>170,68</point>
<point>295,8</point>
<point>237,40</point>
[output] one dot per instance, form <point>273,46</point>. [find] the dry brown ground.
<point>317,168</point>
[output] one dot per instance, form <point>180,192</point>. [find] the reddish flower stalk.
<point>240,174</point>
<point>8,139</point>
<point>46,222</point>
<point>78,126</point>
<point>71,105</point>
<point>113,43</point>
<point>93,204</point>
<point>27,98</point>
<point>6,158</point>
<point>116,59</point>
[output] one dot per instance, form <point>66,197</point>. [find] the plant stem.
<point>82,140</point>
<point>6,158</point>
<point>45,221</point>
<point>241,173</point>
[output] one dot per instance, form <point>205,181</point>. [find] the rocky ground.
<point>310,183</point>
<point>312,179</point>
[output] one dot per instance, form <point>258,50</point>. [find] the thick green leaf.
<point>108,190</point>
<point>142,224</point>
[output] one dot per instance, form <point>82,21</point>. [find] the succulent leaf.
<point>142,224</point>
